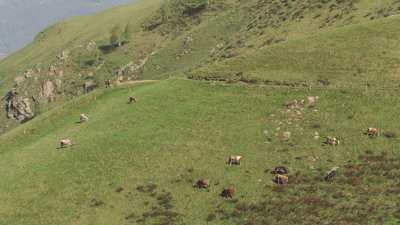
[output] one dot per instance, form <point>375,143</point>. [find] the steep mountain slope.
<point>165,40</point>
<point>240,70</point>
<point>30,68</point>
<point>20,20</point>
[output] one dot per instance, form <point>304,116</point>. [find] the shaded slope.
<point>354,55</point>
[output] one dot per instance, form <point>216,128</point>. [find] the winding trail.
<point>135,82</point>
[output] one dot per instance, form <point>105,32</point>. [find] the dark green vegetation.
<point>227,69</point>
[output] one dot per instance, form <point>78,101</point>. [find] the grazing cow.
<point>65,143</point>
<point>234,160</point>
<point>372,132</point>
<point>280,170</point>
<point>331,174</point>
<point>131,100</point>
<point>202,183</point>
<point>83,118</point>
<point>332,141</point>
<point>89,86</point>
<point>281,179</point>
<point>228,192</point>
<point>107,83</point>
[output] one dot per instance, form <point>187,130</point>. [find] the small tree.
<point>127,32</point>
<point>115,38</point>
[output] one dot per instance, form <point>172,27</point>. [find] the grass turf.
<point>137,163</point>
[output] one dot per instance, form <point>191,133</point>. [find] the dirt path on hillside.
<point>132,82</point>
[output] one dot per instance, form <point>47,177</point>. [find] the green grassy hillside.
<point>354,56</point>
<point>74,37</point>
<point>179,37</point>
<point>135,164</point>
<point>224,73</point>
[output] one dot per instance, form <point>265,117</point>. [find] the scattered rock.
<point>286,136</point>
<point>295,104</point>
<point>29,73</point>
<point>58,83</point>
<point>312,101</point>
<point>52,70</point>
<point>48,90</point>
<point>92,45</point>
<point>63,56</point>
<point>390,134</point>
<point>19,80</point>
<point>189,39</point>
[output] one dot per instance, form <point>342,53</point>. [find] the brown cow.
<point>280,170</point>
<point>281,179</point>
<point>131,100</point>
<point>202,183</point>
<point>228,192</point>
<point>332,141</point>
<point>331,174</point>
<point>372,132</point>
<point>107,83</point>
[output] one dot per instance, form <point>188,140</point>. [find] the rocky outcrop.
<point>131,70</point>
<point>18,107</point>
<point>48,90</point>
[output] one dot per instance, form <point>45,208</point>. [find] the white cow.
<point>83,118</point>
<point>65,143</point>
<point>234,160</point>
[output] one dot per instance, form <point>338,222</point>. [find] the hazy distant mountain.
<point>21,20</point>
